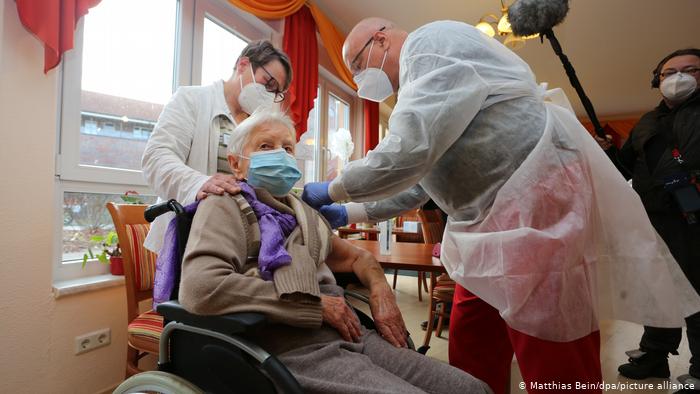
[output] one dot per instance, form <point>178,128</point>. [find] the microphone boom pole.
<point>573,79</point>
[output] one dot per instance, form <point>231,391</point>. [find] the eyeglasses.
<point>273,86</point>
<point>673,71</point>
<point>354,60</point>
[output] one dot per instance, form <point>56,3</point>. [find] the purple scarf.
<point>275,227</point>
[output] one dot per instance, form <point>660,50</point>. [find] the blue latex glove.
<point>336,214</point>
<point>316,194</point>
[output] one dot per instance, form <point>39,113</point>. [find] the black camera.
<point>686,191</point>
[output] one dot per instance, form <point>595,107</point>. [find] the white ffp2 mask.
<point>678,87</point>
<point>372,83</point>
<point>254,95</point>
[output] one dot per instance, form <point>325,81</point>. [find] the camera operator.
<point>662,156</point>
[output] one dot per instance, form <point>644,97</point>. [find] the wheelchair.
<point>211,354</point>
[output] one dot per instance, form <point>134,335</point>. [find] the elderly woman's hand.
<point>218,184</point>
<point>338,314</point>
<point>387,316</point>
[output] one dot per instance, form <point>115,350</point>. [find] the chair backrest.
<point>433,225</point>
<point>139,262</point>
<point>411,215</point>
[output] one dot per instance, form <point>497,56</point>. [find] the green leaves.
<point>110,247</point>
<point>111,238</point>
<point>131,197</point>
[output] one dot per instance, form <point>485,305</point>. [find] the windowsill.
<point>82,285</point>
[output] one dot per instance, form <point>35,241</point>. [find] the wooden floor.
<point>616,338</point>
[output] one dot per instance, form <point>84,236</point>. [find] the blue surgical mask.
<point>273,170</point>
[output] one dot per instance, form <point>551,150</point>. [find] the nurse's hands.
<point>336,214</point>
<point>218,184</point>
<point>316,194</point>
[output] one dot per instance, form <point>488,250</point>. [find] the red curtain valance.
<point>53,23</point>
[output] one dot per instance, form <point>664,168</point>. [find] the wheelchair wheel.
<point>157,382</point>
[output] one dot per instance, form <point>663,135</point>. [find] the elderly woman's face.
<point>269,136</point>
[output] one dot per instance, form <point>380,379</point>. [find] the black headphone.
<point>656,80</point>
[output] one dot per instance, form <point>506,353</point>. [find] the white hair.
<point>241,134</point>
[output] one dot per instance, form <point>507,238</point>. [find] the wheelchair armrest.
<point>234,323</point>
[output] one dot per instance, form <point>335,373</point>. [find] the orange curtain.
<point>53,23</point>
<point>333,41</point>
<point>331,37</point>
<point>269,9</point>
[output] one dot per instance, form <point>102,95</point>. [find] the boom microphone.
<point>528,17</point>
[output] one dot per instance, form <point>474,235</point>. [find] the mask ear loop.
<point>369,54</point>
<point>383,60</point>
<point>253,81</point>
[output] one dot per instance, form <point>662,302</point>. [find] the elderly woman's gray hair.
<point>261,116</point>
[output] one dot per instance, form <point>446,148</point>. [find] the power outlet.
<point>93,340</point>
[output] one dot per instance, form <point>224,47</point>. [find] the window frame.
<point>70,175</point>
<point>329,84</point>
<point>243,25</point>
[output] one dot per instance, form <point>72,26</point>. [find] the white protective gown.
<point>541,225</point>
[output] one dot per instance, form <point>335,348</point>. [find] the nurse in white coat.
<point>185,157</point>
<point>544,237</point>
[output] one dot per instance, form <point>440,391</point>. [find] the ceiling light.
<point>492,25</point>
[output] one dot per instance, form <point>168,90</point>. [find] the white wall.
<point>36,331</point>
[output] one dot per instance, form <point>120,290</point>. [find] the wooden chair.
<point>415,238</point>
<point>442,288</point>
<point>143,332</point>
<point>432,225</point>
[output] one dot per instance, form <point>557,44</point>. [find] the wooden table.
<point>404,255</point>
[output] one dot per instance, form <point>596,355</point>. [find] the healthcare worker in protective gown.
<point>544,236</point>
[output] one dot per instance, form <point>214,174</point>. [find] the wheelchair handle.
<point>156,210</point>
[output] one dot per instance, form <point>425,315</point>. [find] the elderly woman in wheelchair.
<point>266,251</point>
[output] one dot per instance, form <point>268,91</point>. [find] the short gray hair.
<point>263,115</point>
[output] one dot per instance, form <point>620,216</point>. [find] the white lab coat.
<point>181,153</point>
<point>541,225</point>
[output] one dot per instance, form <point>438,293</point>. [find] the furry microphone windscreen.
<point>528,17</point>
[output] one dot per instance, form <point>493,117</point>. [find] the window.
<point>306,151</point>
<point>84,216</point>
<point>129,57</point>
<point>318,149</point>
<point>339,138</point>
<point>126,74</point>
<point>220,52</point>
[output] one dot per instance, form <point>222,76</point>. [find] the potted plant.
<point>109,243</point>
<point>111,253</point>
<point>132,197</point>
